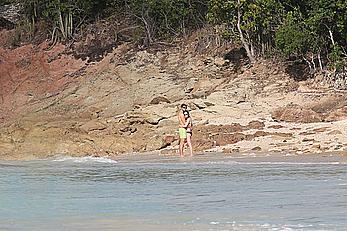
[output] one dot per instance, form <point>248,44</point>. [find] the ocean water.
<point>168,193</point>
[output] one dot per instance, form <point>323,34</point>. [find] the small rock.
<point>208,104</point>
<point>219,62</point>
<point>276,126</point>
<point>256,125</point>
<point>335,132</point>
<point>159,99</point>
<point>307,140</point>
<point>295,129</point>
<point>306,133</point>
<point>317,146</point>
<point>338,147</point>
<point>207,61</point>
<point>199,94</point>
<point>129,129</point>
<point>317,130</point>
<point>258,149</point>
<point>227,150</point>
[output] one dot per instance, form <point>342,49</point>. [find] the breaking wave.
<point>86,159</point>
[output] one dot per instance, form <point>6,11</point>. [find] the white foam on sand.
<point>86,159</point>
<point>291,163</point>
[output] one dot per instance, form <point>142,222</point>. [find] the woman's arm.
<point>187,122</point>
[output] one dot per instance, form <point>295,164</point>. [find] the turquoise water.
<point>172,194</point>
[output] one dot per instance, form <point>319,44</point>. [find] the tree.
<point>254,20</point>
<point>62,15</point>
<point>166,18</point>
<point>313,29</point>
<point>5,2</point>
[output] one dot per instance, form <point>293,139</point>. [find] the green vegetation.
<point>311,30</point>
<point>156,19</point>
<point>314,30</point>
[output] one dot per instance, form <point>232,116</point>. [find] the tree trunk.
<point>313,63</point>
<point>61,24</point>
<point>320,62</point>
<point>309,64</point>
<point>61,21</point>
<point>331,37</point>
<point>243,40</point>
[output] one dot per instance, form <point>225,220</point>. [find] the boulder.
<point>159,99</point>
<point>200,104</point>
<point>296,113</point>
<point>191,84</point>
<point>153,119</point>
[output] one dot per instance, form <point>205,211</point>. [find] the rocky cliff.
<point>55,104</point>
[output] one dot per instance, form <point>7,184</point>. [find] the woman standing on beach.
<point>189,128</point>
<point>182,130</point>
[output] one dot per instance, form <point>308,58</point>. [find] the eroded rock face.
<point>296,113</point>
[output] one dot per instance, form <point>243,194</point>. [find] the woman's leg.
<point>189,142</point>
<point>181,147</point>
<point>183,137</point>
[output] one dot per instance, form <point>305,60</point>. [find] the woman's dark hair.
<point>186,113</point>
<point>184,105</point>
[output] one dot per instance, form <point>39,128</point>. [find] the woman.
<point>189,128</point>
<point>182,130</point>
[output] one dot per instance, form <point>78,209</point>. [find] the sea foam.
<point>85,159</point>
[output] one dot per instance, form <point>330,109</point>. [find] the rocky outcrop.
<point>296,113</point>
<point>339,114</point>
<point>52,103</point>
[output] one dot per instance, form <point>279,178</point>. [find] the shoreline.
<point>201,158</point>
<point>241,157</point>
